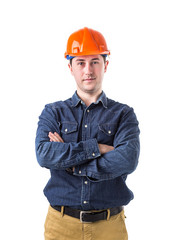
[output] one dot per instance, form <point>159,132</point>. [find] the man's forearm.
<point>105,148</point>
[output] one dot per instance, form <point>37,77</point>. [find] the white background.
<point>142,38</point>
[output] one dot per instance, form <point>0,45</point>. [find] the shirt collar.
<point>76,100</point>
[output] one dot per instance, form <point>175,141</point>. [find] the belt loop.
<point>62,211</point>
<point>108,214</point>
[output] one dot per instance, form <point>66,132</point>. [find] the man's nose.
<point>88,68</point>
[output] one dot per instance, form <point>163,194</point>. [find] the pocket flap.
<point>69,127</point>
<point>108,128</point>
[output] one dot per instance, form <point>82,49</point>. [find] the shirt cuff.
<point>91,149</point>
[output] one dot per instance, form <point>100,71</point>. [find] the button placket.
<point>86,125</point>
<point>85,195</point>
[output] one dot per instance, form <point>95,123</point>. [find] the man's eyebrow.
<point>79,60</point>
<point>93,59</point>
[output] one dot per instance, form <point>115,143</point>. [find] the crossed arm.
<point>103,148</point>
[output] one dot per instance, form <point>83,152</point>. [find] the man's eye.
<point>80,63</point>
<point>95,62</point>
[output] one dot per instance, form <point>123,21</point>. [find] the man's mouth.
<point>89,79</point>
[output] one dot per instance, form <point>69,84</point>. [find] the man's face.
<point>88,72</point>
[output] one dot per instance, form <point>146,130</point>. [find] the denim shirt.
<point>98,181</point>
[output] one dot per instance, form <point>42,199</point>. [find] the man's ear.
<point>106,65</point>
<point>70,67</point>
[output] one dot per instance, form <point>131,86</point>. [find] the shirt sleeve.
<point>123,160</point>
<point>57,155</point>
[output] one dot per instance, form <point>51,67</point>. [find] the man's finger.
<point>53,137</point>
<point>58,136</point>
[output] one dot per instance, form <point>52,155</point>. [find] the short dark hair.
<point>104,58</point>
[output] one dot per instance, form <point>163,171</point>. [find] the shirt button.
<point>79,171</point>
<point>93,154</point>
<point>66,130</point>
<point>85,202</point>
<point>88,111</point>
<point>85,182</point>
<point>85,126</point>
<point>109,132</point>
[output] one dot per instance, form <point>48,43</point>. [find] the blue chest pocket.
<point>106,132</point>
<point>69,131</point>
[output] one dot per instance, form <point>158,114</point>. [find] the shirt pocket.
<point>106,132</point>
<point>69,131</point>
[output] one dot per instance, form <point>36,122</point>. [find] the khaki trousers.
<point>64,227</point>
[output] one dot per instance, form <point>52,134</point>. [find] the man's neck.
<point>89,98</point>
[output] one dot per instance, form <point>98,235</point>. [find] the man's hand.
<point>54,137</point>
<point>105,148</point>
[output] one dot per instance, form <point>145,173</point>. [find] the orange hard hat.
<point>86,41</point>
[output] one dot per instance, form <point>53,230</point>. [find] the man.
<point>90,144</point>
